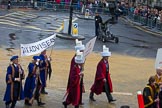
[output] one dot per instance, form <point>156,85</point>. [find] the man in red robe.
<point>73,90</point>
<point>79,46</point>
<point>102,81</point>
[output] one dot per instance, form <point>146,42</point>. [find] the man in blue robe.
<point>32,82</point>
<point>14,76</point>
<point>43,70</point>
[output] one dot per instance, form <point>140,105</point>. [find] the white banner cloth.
<point>37,47</point>
<point>89,47</point>
<point>158,62</point>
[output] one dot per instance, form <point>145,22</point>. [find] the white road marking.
<point>123,93</point>
<point>23,15</point>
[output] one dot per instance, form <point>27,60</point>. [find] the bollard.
<point>140,99</point>
<point>65,26</point>
<point>75,29</point>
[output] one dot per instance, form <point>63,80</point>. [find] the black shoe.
<point>44,92</point>
<point>12,105</point>
<point>27,103</point>
<point>76,106</point>
<point>112,100</point>
<point>92,98</point>
<point>7,106</point>
<point>41,103</point>
<point>65,105</point>
<point>81,103</point>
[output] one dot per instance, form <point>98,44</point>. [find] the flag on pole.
<point>158,62</point>
<point>89,47</point>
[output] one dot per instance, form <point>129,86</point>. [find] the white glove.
<point>37,63</point>
<point>49,59</point>
<point>17,79</point>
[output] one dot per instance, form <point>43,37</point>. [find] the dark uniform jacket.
<point>149,95</point>
<point>98,20</point>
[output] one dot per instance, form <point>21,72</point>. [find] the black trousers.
<point>96,30</point>
<point>13,103</point>
<point>107,91</point>
<point>81,90</point>
<point>38,89</point>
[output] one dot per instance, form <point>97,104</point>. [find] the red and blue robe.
<point>14,90</point>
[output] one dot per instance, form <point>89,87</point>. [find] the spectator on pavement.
<point>9,5</point>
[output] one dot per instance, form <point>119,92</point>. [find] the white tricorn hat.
<point>79,58</point>
<point>105,52</point>
<point>79,45</point>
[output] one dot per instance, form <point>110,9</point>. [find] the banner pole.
<point>19,54</point>
<point>51,51</point>
<point>20,50</point>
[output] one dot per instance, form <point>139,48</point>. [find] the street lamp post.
<point>70,17</point>
<point>147,13</point>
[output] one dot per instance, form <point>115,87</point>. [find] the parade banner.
<point>37,47</point>
<point>89,47</point>
<point>158,62</point>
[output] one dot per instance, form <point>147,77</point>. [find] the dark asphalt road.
<point>33,26</point>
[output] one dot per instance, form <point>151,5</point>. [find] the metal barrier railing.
<point>150,22</point>
<point>62,6</point>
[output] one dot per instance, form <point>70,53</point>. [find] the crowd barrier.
<point>62,6</point>
<point>146,21</point>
